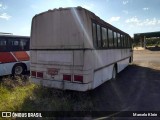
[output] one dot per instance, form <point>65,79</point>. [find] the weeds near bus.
<point>19,94</point>
<point>13,92</point>
<point>13,82</point>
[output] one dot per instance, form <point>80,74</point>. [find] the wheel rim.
<point>18,70</point>
<point>114,73</point>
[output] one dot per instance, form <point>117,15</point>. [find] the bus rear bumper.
<point>63,85</point>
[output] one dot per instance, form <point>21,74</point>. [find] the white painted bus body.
<point>62,39</point>
<point>6,68</point>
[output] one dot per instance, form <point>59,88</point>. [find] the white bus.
<point>14,54</point>
<point>72,48</point>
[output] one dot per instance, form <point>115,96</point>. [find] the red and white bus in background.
<point>72,48</point>
<point>14,54</point>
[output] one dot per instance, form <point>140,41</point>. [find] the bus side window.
<point>3,44</point>
<point>115,39</point>
<point>110,38</point>
<point>128,41</point>
<point>122,44</point>
<point>99,35</point>
<point>27,45</point>
<point>14,44</point>
<point>104,38</point>
<point>94,35</point>
<point>119,40</point>
<point>125,41</point>
<point>24,44</point>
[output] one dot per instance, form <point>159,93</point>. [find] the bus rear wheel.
<point>114,73</point>
<point>18,69</point>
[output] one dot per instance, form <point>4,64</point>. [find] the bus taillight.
<point>67,77</point>
<point>33,73</point>
<point>78,78</point>
<point>39,74</point>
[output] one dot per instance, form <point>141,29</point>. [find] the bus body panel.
<point>102,75</point>
<point>66,62</point>
<point>69,34</point>
<point>122,64</point>
<point>105,61</point>
<point>63,85</point>
<point>6,68</point>
<point>52,57</point>
<point>111,56</point>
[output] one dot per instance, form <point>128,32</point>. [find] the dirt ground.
<point>137,88</point>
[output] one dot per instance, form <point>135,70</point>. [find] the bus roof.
<point>10,35</point>
<point>93,16</point>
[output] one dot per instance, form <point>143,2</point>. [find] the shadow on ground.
<point>156,48</point>
<point>136,89</point>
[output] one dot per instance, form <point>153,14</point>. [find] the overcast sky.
<point>131,16</point>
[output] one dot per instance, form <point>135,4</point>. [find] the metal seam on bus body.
<point>107,48</point>
<point>13,62</point>
<point>63,81</point>
<point>110,64</point>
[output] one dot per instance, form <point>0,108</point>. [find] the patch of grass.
<point>18,94</point>
<point>49,99</point>
<point>13,92</point>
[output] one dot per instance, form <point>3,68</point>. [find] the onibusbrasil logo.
<point>20,114</point>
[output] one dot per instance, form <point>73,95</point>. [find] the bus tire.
<point>114,73</point>
<point>18,69</point>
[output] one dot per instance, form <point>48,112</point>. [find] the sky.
<point>130,16</point>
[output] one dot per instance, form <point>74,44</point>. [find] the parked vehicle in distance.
<point>14,54</point>
<point>73,49</point>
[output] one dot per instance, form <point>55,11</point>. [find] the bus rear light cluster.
<point>37,74</point>
<point>33,73</point>
<point>40,74</point>
<point>78,78</point>
<point>67,77</point>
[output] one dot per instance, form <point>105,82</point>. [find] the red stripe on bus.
<point>6,57</point>
<point>21,55</point>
